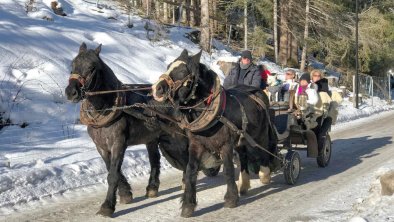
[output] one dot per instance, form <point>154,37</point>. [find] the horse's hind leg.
<point>265,172</point>
<point>231,197</point>
<point>244,178</point>
<point>154,159</point>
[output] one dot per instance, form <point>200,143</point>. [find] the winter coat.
<point>322,86</point>
<point>310,91</point>
<point>251,77</point>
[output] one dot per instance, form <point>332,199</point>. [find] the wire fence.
<point>375,86</point>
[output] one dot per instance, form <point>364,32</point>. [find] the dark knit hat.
<point>306,77</point>
<point>247,54</point>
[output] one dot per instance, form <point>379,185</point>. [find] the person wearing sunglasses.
<point>288,85</point>
<point>321,82</point>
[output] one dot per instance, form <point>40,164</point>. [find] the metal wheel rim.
<point>295,167</point>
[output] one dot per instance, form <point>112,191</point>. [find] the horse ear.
<point>98,49</point>
<point>184,56</point>
<point>196,58</point>
<point>83,47</point>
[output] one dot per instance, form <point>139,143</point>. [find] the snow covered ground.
<point>47,153</point>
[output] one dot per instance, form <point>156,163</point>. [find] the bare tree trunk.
<point>193,13</point>
<point>147,7</point>
<point>173,12</point>
<point>184,12</point>
<point>306,34</point>
<point>246,24</point>
<point>294,49</point>
<point>283,34</point>
<point>215,22</point>
<point>165,12</point>
<point>188,3</point>
<point>157,9</point>
<point>291,40</point>
<point>276,30</point>
<point>205,32</point>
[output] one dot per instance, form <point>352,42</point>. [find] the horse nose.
<point>159,89</point>
<point>71,93</point>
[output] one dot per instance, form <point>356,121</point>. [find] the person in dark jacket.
<point>321,82</point>
<point>244,73</point>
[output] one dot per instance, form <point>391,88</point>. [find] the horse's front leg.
<point>189,200</point>
<point>113,178</point>
<point>231,197</point>
<point>154,159</point>
<point>125,194</point>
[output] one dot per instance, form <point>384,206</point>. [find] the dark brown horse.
<point>188,83</point>
<point>113,131</point>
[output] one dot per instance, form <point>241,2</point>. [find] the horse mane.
<point>109,77</point>
<point>206,80</point>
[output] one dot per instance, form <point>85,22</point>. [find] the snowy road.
<point>359,148</point>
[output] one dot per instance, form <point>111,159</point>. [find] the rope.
<point>115,91</point>
<point>246,135</point>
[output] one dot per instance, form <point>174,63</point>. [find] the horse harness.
<point>175,85</point>
<point>91,117</point>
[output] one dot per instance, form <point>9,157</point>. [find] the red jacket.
<point>264,75</point>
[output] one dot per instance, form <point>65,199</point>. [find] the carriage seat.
<point>279,117</point>
<point>279,106</point>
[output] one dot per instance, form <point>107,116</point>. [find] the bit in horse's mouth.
<point>154,94</point>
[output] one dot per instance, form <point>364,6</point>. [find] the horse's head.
<point>179,82</point>
<point>86,67</point>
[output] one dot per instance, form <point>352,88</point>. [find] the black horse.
<point>191,87</point>
<point>112,131</point>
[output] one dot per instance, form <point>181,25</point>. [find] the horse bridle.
<point>82,81</point>
<point>175,85</point>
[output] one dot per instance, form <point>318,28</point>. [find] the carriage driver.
<point>244,73</point>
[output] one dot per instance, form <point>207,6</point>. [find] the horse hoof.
<point>265,181</point>
<point>265,175</point>
<point>187,212</point>
<point>243,192</point>
<point>126,199</point>
<point>151,193</point>
<point>105,212</point>
<point>230,204</point>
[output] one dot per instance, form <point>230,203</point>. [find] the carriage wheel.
<point>292,167</point>
<point>324,151</point>
<point>211,172</point>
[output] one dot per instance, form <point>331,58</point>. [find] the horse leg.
<point>183,185</point>
<point>244,178</point>
<point>231,197</point>
<point>125,194</point>
<point>189,200</point>
<point>114,175</point>
<point>154,159</point>
<point>265,172</point>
